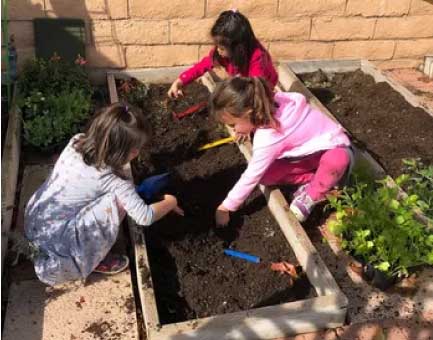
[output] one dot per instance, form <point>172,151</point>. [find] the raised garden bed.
<point>379,118</point>
<point>366,302</point>
<point>183,274</point>
<point>10,167</point>
<point>389,141</point>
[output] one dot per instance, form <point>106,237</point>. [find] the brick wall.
<point>153,33</point>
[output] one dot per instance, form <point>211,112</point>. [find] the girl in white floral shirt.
<point>74,217</point>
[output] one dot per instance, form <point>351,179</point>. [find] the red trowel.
<point>189,111</point>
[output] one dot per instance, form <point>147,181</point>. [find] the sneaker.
<point>300,191</point>
<point>112,264</point>
<point>302,206</point>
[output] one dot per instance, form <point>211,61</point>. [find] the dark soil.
<point>191,275</point>
<point>379,118</point>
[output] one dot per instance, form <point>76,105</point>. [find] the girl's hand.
<point>178,210</point>
<point>173,203</point>
<point>241,137</point>
<point>222,216</point>
<point>166,205</point>
<point>176,89</point>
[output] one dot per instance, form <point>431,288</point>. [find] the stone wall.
<point>153,33</point>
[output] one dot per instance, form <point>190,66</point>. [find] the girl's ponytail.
<point>262,108</point>
<point>239,95</point>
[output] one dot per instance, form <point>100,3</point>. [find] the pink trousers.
<point>322,170</point>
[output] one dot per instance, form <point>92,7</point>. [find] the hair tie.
<point>234,10</point>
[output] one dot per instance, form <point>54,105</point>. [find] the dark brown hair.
<point>112,135</point>
<point>233,31</point>
<point>240,94</point>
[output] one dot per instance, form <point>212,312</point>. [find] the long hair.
<point>111,136</point>
<point>241,94</point>
<point>233,31</point>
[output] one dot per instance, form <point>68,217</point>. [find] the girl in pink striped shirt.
<point>236,49</point>
<point>293,144</point>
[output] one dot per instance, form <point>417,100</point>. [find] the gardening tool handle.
<point>190,110</point>
<point>241,255</point>
<point>217,143</point>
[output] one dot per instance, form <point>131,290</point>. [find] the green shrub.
<point>419,181</point>
<point>381,229</point>
<point>60,119</point>
<point>55,98</point>
<point>52,77</point>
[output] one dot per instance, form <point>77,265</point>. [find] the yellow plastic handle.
<point>216,143</point>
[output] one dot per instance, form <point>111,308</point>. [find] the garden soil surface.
<point>378,117</point>
<point>192,277</point>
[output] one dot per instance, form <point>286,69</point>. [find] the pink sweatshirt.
<point>302,132</point>
<point>260,65</point>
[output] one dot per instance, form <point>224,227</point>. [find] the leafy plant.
<point>55,97</point>
<point>380,229</point>
<point>53,76</point>
<point>66,112</point>
<point>419,181</point>
<point>133,91</point>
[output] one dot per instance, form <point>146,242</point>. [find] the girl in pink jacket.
<point>293,144</point>
<point>236,49</point>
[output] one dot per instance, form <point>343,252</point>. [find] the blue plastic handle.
<point>241,255</point>
<point>153,185</point>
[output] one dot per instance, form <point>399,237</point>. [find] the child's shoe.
<point>302,205</point>
<point>300,190</point>
<point>112,264</point>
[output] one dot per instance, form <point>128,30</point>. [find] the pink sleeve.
<point>261,66</point>
<point>198,69</point>
<point>261,160</point>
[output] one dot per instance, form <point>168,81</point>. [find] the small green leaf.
<point>383,266</point>
<point>399,219</point>
<point>394,204</point>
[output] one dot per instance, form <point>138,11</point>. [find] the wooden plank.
<point>144,277</point>
<point>428,66</point>
<point>9,169</point>
<point>142,267</point>
<point>208,81</point>
<point>151,75</point>
<point>262,323</point>
<point>114,98</point>
<point>378,76</point>
<point>290,83</point>
<point>317,272</point>
<point>307,66</point>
